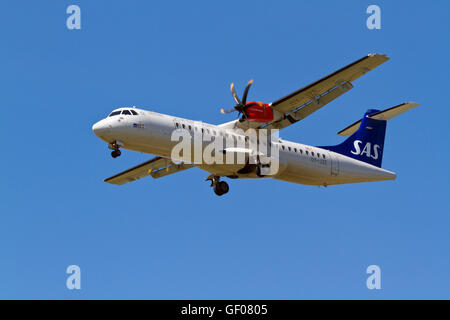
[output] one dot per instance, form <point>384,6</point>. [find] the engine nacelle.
<point>259,112</point>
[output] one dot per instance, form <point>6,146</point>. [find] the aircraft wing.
<point>303,102</point>
<point>157,167</point>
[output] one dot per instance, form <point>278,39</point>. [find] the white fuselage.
<point>151,132</point>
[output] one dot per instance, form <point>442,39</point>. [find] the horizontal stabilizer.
<point>387,114</point>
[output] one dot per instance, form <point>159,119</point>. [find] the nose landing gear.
<point>116,153</point>
<point>220,187</point>
<point>115,147</point>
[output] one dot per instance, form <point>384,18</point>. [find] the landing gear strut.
<point>115,147</point>
<point>262,170</point>
<point>220,187</point>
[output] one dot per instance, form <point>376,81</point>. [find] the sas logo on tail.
<point>367,150</point>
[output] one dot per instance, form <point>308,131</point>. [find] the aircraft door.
<point>334,164</point>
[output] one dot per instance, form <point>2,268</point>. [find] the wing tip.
<point>373,54</point>
<point>382,56</point>
<point>413,104</point>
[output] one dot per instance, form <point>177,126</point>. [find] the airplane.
<point>357,159</point>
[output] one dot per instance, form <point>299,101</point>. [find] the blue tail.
<point>367,143</point>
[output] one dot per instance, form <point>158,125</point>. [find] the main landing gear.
<point>115,147</point>
<point>220,187</point>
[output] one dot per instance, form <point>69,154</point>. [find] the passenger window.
<point>282,147</point>
<point>295,149</point>
<point>184,127</point>
<point>190,128</point>
<point>301,151</point>
<point>307,153</point>
<point>312,153</point>
<point>289,148</point>
<point>134,112</point>
<point>177,125</point>
<point>323,156</point>
<point>126,112</point>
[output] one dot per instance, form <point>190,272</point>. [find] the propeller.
<point>240,106</point>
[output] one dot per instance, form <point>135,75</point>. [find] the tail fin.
<point>366,141</point>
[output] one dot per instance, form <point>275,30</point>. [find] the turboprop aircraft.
<point>357,159</point>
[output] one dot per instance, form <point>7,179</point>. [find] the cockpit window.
<point>115,113</point>
<point>126,112</point>
<point>134,112</point>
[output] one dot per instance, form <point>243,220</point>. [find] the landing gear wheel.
<point>221,187</point>
<point>116,153</point>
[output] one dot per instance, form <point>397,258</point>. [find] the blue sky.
<point>172,238</point>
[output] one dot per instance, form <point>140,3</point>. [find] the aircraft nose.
<point>100,128</point>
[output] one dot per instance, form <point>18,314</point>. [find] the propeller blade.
<point>244,116</point>
<point>240,106</point>
<point>235,96</point>
<point>227,111</point>
<point>244,97</point>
